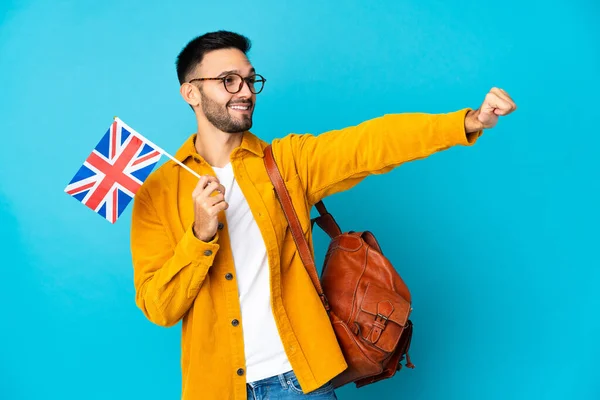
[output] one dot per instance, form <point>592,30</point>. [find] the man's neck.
<point>215,146</point>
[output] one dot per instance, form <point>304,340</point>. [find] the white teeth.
<point>240,107</point>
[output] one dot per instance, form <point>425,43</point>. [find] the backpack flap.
<point>382,317</point>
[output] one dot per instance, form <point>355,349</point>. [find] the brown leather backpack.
<point>366,299</point>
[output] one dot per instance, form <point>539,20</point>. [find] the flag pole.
<point>130,129</point>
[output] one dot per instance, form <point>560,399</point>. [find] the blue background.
<point>498,243</point>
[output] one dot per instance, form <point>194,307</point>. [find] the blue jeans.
<point>286,386</point>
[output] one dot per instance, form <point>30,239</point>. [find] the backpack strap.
<point>294,223</point>
<point>326,221</point>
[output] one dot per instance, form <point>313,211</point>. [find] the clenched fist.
<point>496,103</point>
<point>207,207</point>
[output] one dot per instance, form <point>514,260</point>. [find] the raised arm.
<point>337,160</point>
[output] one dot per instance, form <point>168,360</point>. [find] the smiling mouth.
<point>241,107</point>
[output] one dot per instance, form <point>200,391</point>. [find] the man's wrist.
<point>200,237</point>
<point>472,123</point>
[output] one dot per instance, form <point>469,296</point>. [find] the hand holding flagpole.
<point>206,211</point>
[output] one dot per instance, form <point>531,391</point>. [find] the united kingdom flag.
<point>113,173</point>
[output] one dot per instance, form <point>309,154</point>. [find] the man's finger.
<point>199,186</point>
<point>203,182</point>
<point>504,96</point>
<point>214,200</point>
<point>498,105</point>
<point>221,206</point>
<point>212,187</point>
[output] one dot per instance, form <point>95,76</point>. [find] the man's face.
<point>231,113</point>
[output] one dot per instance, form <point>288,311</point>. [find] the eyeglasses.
<point>233,82</point>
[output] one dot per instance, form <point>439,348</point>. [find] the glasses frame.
<point>222,79</point>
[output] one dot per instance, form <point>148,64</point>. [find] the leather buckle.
<point>383,317</point>
<point>377,329</point>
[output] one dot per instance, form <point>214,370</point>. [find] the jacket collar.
<point>250,143</point>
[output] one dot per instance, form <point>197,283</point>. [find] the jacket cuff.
<point>198,251</point>
<point>454,125</point>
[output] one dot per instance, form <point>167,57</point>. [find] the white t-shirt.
<point>265,355</point>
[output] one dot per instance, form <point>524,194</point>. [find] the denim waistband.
<point>282,379</point>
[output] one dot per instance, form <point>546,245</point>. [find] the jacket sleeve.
<point>338,160</point>
<point>167,278</point>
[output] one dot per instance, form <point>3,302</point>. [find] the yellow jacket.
<point>179,277</point>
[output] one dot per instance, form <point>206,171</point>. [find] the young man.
<point>217,254</point>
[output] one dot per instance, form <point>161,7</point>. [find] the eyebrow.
<point>233,71</point>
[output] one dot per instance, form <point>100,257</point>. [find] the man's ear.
<point>190,94</point>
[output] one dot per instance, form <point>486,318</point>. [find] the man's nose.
<point>245,92</point>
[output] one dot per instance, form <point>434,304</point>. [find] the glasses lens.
<point>256,83</point>
<point>233,83</point>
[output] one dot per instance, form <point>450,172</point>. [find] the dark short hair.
<point>193,53</point>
